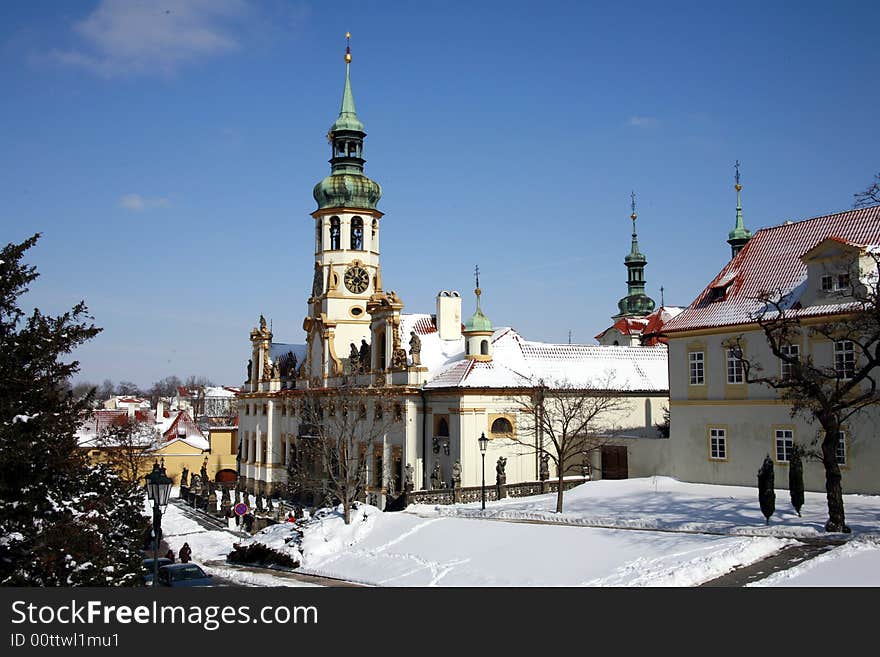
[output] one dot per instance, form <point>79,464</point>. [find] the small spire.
<point>738,237</point>
<point>662,298</point>
<point>348,47</point>
<point>477,291</point>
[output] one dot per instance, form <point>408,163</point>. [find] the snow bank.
<point>855,564</point>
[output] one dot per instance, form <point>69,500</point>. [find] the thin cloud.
<point>138,203</point>
<point>152,37</point>
<point>642,121</point>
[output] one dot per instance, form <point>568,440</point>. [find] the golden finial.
<point>348,47</point>
<point>633,204</point>
<point>477,291</point>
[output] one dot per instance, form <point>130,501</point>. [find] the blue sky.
<point>167,152</point>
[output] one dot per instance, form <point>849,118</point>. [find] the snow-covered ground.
<point>668,504</point>
<point>685,534</point>
<point>855,564</point>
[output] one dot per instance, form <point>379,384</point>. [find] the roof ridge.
<point>787,223</point>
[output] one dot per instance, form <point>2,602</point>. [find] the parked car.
<point>184,574</point>
<point>148,568</point>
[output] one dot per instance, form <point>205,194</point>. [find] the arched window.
<point>484,347</point>
<point>334,233</point>
<point>502,425</point>
<point>357,233</point>
<point>380,355</point>
<point>442,427</point>
<point>319,237</point>
<point>467,347</point>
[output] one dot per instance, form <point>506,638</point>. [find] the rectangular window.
<point>827,283</point>
<point>696,363</point>
<point>247,409</point>
<point>717,444</point>
<point>841,448</point>
<point>784,445</point>
<point>734,366</point>
<point>793,351</point>
<point>845,359</point>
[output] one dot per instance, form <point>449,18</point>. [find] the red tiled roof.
<point>771,261</point>
<point>424,325</point>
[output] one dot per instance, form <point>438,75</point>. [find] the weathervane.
<point>477,276</point>
<point>632,195</point>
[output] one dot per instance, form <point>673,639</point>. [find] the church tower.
<point>347,269</point>
<point>636,303</point>
<point>738,237</point>
<point>478,330</point>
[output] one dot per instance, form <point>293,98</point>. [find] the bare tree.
<point>568,423</point>
<point>330,452</point>
<point>869,197</point>
<point>827,393</point>
<point>127,447</point>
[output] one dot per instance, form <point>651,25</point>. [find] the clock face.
<point>357,279</point>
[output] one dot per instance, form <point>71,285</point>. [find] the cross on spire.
<point>632,196</point>
<point>736,166</point>
<point>477,275</point>
<point>348,47</point>
<point>662,299</point>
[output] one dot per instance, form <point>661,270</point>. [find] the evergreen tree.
<point>62,521</point>
<point>766,492</point>
<point>796,479</point>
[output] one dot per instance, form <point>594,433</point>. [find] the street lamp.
<point>158,490</point>
<point>484,443</point>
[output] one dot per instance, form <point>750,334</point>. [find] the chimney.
<point>131,409</point>
<point>449,315</point>
<point>160,410</point>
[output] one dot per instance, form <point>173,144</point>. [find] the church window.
<point>502,426</point>
<point>357,234</point>
<point>467,348</point>
<point>362,411</point>
<point>319,237</point>
<point>379,411</point>
<point>443,427</point>
<point>283,409</point>
<point>375,229</point>
<point>247,409</point>
<point>334,233</point>
<point>398,412</point>
<point>484,347</point>
<point>380,360</point>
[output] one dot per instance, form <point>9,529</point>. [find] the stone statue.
<point>456,474</point>
<point>250,368</point>
<point>545,467</point>
<point>364,357</point>
<point>204,471</point>
<point>184,476</point>
<point>263,328</point>
<point>500,477</point>
<point>259,502</point>
<point>318,281</point>
<point>435,476</point>
<point>408,480</point>
<point>224,495</point>
<point>276,370</point>
<point>267,366</point>
<point>415,348</point>
<point>354,358</point>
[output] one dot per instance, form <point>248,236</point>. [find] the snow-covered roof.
<point>160,431</point>
<point>649,325</point>
<point>773,260</point>
<point>517,362</point>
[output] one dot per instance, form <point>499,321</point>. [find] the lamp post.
<point>158,490</point>
<point>484,443</point>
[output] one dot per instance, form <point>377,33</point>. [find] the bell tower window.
<point>357,234</point>
<point>334,233</point>
<point>484,347</point>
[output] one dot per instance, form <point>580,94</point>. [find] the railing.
<point>494,492</point>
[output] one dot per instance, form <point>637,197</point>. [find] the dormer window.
<point>719,289</point>
<point>827,283</point>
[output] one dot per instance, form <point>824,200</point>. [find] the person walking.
<point>185,553</point>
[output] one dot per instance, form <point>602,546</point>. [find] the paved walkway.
<point>786,558</point>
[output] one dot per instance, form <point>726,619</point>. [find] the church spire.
<point>478,329</point>
<point>347,186</point>
<point>738,237</point>
<point>636,303</point>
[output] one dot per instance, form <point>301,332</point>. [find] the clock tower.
<point>346,229</point>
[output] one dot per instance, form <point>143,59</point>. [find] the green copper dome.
<point>478,322</point>
<point>347,190</point>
